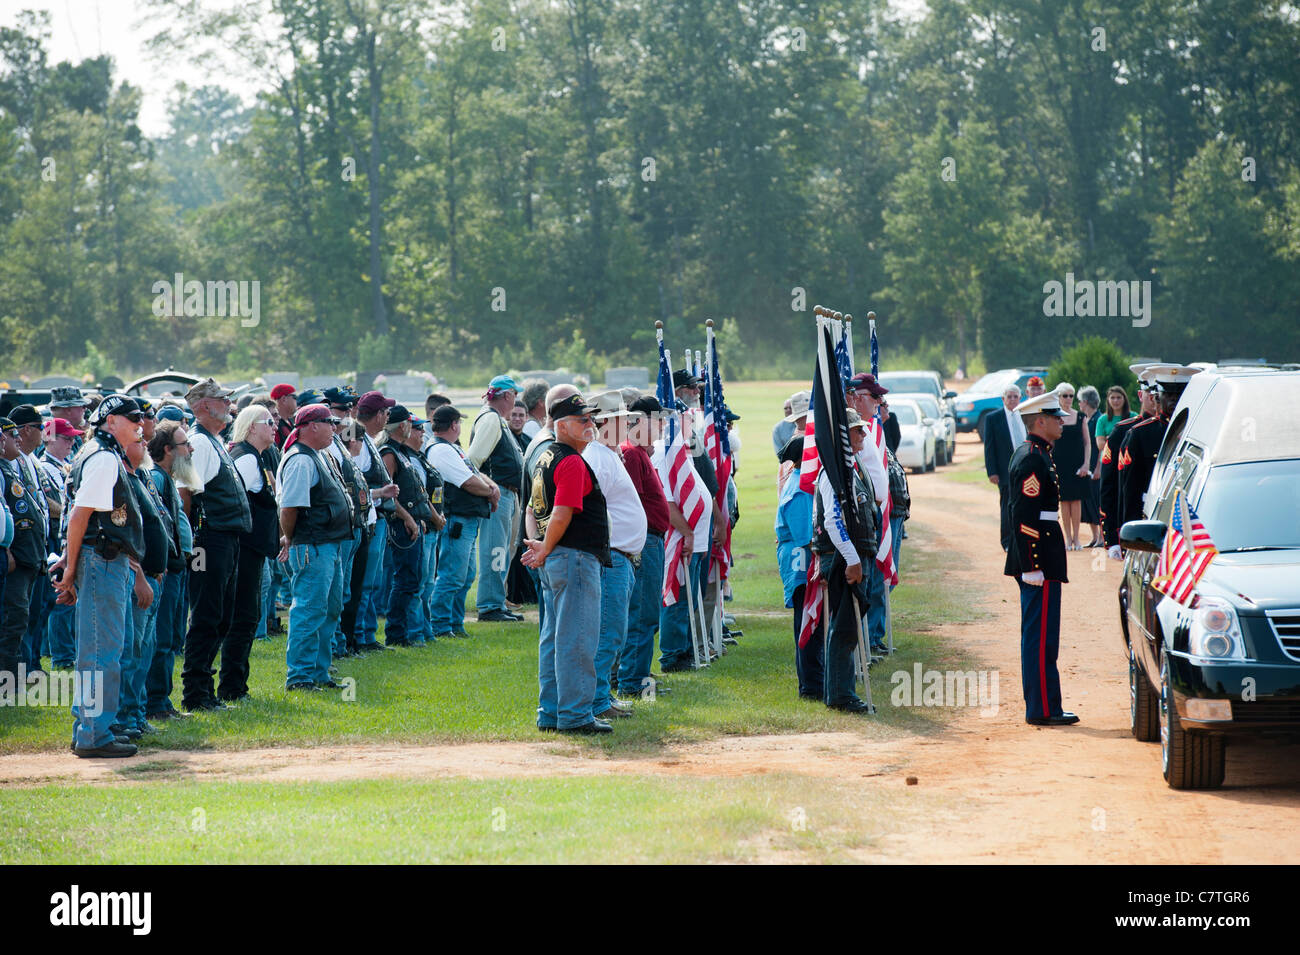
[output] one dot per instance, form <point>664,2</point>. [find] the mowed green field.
<point>485,689</point>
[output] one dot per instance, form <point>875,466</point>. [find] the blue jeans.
<point>63,639</point>
<point>876,620</point>
<point>428,572</point>
<point>137,657</point>
<point>38,610</point>
<point>262,601</point>
<point>896,535</point>
<point>103,618</point>
<point>674,622</point>
<point>643,617</point>
<point>496,546</point>
<point>406,556</point>
<point>367,612</point>
<point>455,574</point>
<point>615,599</point>
<point>347,554</point>
<point>566,670</point>
<point>541,599</point>
<point>170,631</point>
<point>314,614</point>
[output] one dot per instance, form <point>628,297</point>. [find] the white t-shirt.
<point>627,523</point>
<point>205,459</point>
<point>873,462</point>
<point>99,476</point>
<point>250,470</point>
<point>446,458</point>
<point>531,427</point>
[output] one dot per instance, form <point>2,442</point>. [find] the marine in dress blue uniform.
<point>1037,560</point>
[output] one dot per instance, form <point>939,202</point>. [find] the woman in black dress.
<point>1090,408</point>
<point>1072,460</point>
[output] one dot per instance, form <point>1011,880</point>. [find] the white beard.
<point>183,472</point>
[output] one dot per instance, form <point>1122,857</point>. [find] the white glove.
<point>1114,552</point>
<point>1034,578</point>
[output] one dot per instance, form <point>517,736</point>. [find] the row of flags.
<point>676,471</point>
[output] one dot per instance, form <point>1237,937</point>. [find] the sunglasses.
<point>1066,394</point>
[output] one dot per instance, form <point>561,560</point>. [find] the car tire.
<point>930,465</point>
<point>941,454</point>
<point>1189,760</point>
<point>1144,703</point>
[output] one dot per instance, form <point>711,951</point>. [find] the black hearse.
<point>1230,664</point>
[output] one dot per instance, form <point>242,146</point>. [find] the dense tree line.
<point>536,182</point>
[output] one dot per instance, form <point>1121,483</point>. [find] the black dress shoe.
<point>306,687</point>
<point>1065,719</point>
<point>212,705</point>
<point>389,644</point>
<point>548,729</point>
<point>499,616</point>
<point>113,750</point>
<point>677,668</point>
<point>330,685</point>
<point>588,729</point>
<point>853,706</point>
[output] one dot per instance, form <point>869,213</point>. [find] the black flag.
<point>831,431</point>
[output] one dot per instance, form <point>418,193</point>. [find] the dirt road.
<point>1015,793</point>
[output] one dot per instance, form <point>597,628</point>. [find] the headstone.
<point>273,378</point>
<point>409,390</point>
<point>318,382</point>
<point>630,377</point>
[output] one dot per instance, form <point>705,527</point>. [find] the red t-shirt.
<point>648,486</point>
<point>572,482</point>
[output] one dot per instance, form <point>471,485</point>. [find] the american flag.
<point>678,478</point>
<point>812,602</point>
<point>1186,553</point>
<point>885,554</point>
<point>718,445</point>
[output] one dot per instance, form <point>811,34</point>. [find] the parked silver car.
<point>941,421</point>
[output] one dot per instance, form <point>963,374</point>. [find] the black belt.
<point>507,487</point>
<point>108,549</point>
<point>654,533</point>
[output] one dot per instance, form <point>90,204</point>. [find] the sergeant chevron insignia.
<point>1031,487</point>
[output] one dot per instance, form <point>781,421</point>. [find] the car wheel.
<point>930,466</point>
<point>941,454</point>
<point>1189,760</point>
<point>1144,703</point>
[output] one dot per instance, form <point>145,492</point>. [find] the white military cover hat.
<point>1171,377</point>
<point>1048,403</point>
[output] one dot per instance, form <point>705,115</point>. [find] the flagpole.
<point>690,613</point>
<point>875,372</point>
<point>715,575</point>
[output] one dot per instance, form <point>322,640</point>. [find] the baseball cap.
<point>855,419</point>
<point>685,379</point>
<point>647,405</point>
<point>23,415</point>
<point>374,401</point>
<point>315,412</point>
<point>147,407</point>
<point>310,397</point>
<point>863,381</point>
<point>119,404</point>
<point>281,390</point>
<point>398,414</point>
<point>59,427</point>
<point>1035,380</point>
<point>342,395</point>
<point>503,383</point>
<point>171,413</point>
<point>444,416</point>
<point>207,388</point>
<point>570,406</point>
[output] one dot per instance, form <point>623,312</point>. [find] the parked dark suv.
<point>1229,664</point>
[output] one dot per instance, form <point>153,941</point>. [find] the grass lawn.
<point>625,819</point>
<point>485,689</point>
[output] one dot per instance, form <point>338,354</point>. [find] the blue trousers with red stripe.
<point>1040,641</point>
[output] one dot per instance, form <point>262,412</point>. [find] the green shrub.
<point>1094,361</point>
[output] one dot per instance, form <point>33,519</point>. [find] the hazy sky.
<point>84,28</point>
